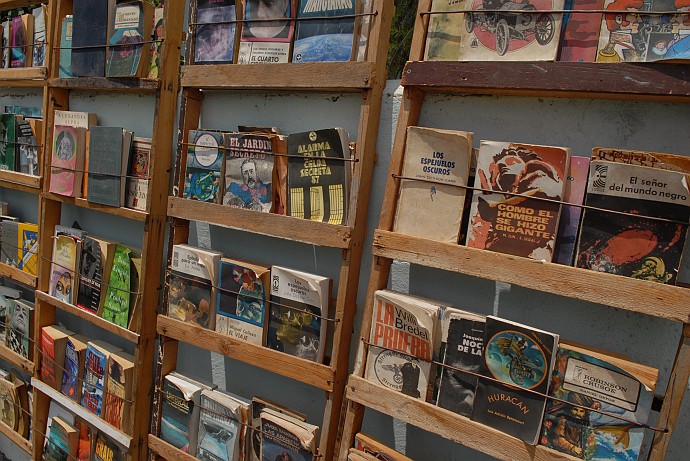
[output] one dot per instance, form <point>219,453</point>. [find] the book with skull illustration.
<point>19,335</point>
<point>223,422</point>
<point>297,322</point>
<point>404,340</point>
<point>437,163</point>
<point>249,171</point>
<point>516,210</point>
<point>63,268</point>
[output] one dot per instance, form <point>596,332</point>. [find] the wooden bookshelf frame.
<point>142,328</point>
<point>367,78</point>
<point>649,82</point>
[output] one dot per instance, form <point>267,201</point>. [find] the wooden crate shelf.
<point>20,181</point>
<point>18,275</point>
<point>127,213</point>
<point>285,227</point>
<point>21,442</point>
<point>134,85</point>
<point>23,77</point>
<point>17,360</point>
<point>664,301</point>
<point>166,451</point>
<point>316,76</point>
<point>305,371</point>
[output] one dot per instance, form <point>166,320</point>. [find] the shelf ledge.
<point>112,432</point>
<point>127,213</point>
<point>18,275</point>
<point>135,85</point>
<point>17,439</point>
<point>16,359</point>
<point>24,77</point>
<point>285,227</point>
<point>167,451</point>
<point>655,299</point>
<point>20,181</point>
<point>304,371</point>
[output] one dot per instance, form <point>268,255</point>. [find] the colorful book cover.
<point>5,309</point>
<point>138,180</point>
<point>86,439</point>
<point>95,254</point>
<point>519,225</point>
<point>569,224</point>
<point>266,42</point>
<point>8,140</point>
<point>204,166</point>
<point>75,355</point>
<point>443,35</point>
<point>248,172</point>
<point>62,441</point>
<point>214,39</point>
<point>53,343</point>
<point>106,449</point>
<point>95,366</point>
<point>157,34</point>
<point>580,35</point>
<point>327,39</point>
<point>629,245</point>
<point>259,404</point>
<point>5,44</point>
<point>117,404</point>
<point>116,305</point>
<point>63,276</point>
<point>242,306</point>
<point>27,147</point>
<point>222,434</point>
<point>126,37</point>
<point>286,438</point>
<point>67,160</point>
<point>28,247</point>
<point>20,37</point>
<point>65,69</point>
<point>39,49</point>
<point>19,336</point>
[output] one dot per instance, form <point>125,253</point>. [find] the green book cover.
<point>116,304</point>
<point>8,138</point>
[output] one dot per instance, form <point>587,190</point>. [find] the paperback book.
<point>108,162</point>
<point>120,292</point>
<point>94,266</point>
<point>117,402</point>
<point>75,356</point>
<point>8,140</point>
<point>11,412</point>
<point>21,34</point>
<point>126,37</point>
<point>259,404</point>
<point>204,166</point>
<point>214,37</point>
<point>323,36</point>
<point>69,145</point>
<point>222,427</point>
<point>569,224</point>
<point>580,35</point>
<point>62,441</point>
<point>90,33</point>
<point>157,35</point>
<point>373,447</point>
<point>19,336</point>
<point>63,268</point>
<point>286,437</point>
<point>265,41</point>
<point>65,65</point>
<point>28,145</point>
<point>248,171</point>
<point>95,369</point>
<point>53,344</point>
<point>107,449</point>
<point>27,247</point>
<point>39,38</point>
<point>443,37</point>
<point>139,171</point>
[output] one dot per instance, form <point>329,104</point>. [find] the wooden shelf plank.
<point>16,359</point>
<point>24,76</point>
<point>24,444</point>
<point>128,213</point>
<point>88,316</point>
<point>658,300</point>
<point>447,424</point>
<point>313,76</point>
<point>114,433</point>
<point>305,371</point>
<point>20,181</point>
<point>136,85</point>
<point>285,227</point>
<point>653,81</point>
<point>18,275</point>
<point>357,455</point>
<point>167,451</point>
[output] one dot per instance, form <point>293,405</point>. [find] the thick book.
<point>96,255</point>
<point>20,327</point>
<point>95,372</point>
<point>27,244</point>
<point>580,35</point>
<point>264,41</point>
<point>27,145</point>
<point>223,421</point>
<point>87,435</point>
<point>8,142</point>
<point>634,244</point>
<point>62,442</point>
<point>157,34</point>
<point>117,404</point>
<point>318,175</point>
<point>21,35</point>
<point>297,322</point>
<point>432,199</point>
<point>108,161</point>
<point>215,32</point>
<point>286,438</point>
<point>138,175</point>
<point>524,224</point>
<point>53,345</point>
<point>242,307</point>
<point>404,339</point>
<point>126,36</point>
<point>89,37</point>
<point>117,305</point>
<point>520,358</point>
<point>462,344</point>
<point>371,446</point>
<point>204,167</point>
<point>63,268</point>
<point>444,36</point>
<point>248,178</point>
<point>192,293</point>
<point>321,36</point>
<point>600,400</point>
<point>75,356</point>
<point>569,224</point>
<point>107,449</point>
<point>39,38</point>
<point>258,406</point>
<point>65,64</point>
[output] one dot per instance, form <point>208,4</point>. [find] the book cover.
<point>21,34</point>
<point>517,225</point>
<point>94,385</point>
<point>63,267</point>
<point>263,41</point>
<point>659,160</point>
<point>19,339</point>
<point>404,340</point>
<point>117,300</point>
<point>157,33</point>
<point>569,224</point>
<point>9,249</point>
<point>27,243</point>
<point>462,342</point>
<point>53,343</point>
<point>286,438</point>
<point>299,303</point>
<point>75,356</point>
<point>180,412</point>
<point>39,38</point>
<point>222,430</point>
<point>280,175</point>
<point>594,392</point>
<point>106,449</point>
<point>5,310</point>
<point>248,172</point>
<point>444,36</point>
<point>317,178</point>
<point>28,145</point>
<point>10,414</point>
<point>8,142</point>
<point>241,304</point>
<point>258,405</point>
<point>62,442</point>
<point>430,204</point>
<point>95,254</point>
<point>90,30</point>
<point>324,37</point>
<point>107,165</point>
<point>87,436</point>
<point>5,44</point>
<point>65,65</point>
<point>368,445</point>
<point>67,160</point>
<point>629,245</point>
<point>214,39</point>
<point>204,166</point>
<point>117,404</point>
<point>126,32</point>
<point>580,35</point>
<point>191,293</point>
<point>522,357</point>
<point>138,181</point>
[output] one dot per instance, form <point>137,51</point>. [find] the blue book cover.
<point>65,48</point>
<point>204,163</point>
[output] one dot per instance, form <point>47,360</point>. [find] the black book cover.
<point>90,275</point>
<point>105,165</point>
<point>90,28</point>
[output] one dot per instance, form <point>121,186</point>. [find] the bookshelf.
<point>366,78</point>
<point>140,336</point>
<point>639,82</point>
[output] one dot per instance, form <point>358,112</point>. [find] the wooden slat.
<point>311,373</point>
<point>128,213</point>
<point>112,432</point>
<point>313,76</point>
<point>88,316</point>
<point>664,301</point>
<point>135,85</point>
<point>16,359</point>
<point>21,442</point>
<point>31,76</point>
<point>447,424</point>
<point>647,81</point>
<point>18,275</point>
<point>285,227</point>
<point>356,455</point>
<point>21,181</point>
<point>167,451</point>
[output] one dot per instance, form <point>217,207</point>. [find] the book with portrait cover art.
<point>263,41</point>
<point>634,246</point>
<point>214,37</point>
<point>249,171</point>
<point>522,357</point>
<point>507,223</point>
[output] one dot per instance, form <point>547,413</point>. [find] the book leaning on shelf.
<point>204,168</point>
<point>215,33</point>
<point>117,402</point>
<point>15,401</point>
<point>21,36</point>
<point>63,268</point>
<point>75,357</point>
<point>122,298</point>
<point>20,327</point>
<point>68,151</point>
<point>62,442</point>
<point>259,404</point>
<point>262,41</point>
<point>95,375</point>
<point>127,21</point>
<point>138,174</point>
<point>108,161</point>
<point>284,437</point>
<point>249,171</point>
<point>327,38</point>
<point>52,362</point>
<point>223,422</point>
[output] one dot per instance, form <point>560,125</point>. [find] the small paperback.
<point>204,166</point>
<point>20,316</point>
<point>107,449</point>
<point>214,39</point>
<point>126,34</point>
<point>263,41</point>
<point>444,34</point>
<point>404,340</point>
<point>120,294</point>
<point>53,343</point>
<point>223,421</point>
<point>63,275</point>
<point>75,355</point>
<point>248,171</point>
<point>96,256</point>
<point>95,372</point>
<point>120,374</point>
<point>138,180</point>
<point>523,358</point>
<point>325,37</point>
<point>259,404</point>
<point>286,438</point>
<point>569,224</point>
<point>62,441</point>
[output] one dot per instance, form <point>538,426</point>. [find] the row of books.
<point>16,315</point>
<point>232,297</point>
<point>633,222</point>
<point>305,175</point>
<point>14,398</point>
<point>19,244</point>
<point>94,274</point>
<point>648,31</point>
<point>105,165</point>
<point>215,425</point>
<point>24,38</point>
<point>19,140</point>
<point>509,376</point>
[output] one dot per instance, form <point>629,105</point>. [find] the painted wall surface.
<point>579,124</point>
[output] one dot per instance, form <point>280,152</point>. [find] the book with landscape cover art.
<point>248,171</point>
<point>328,39</point>
<point>214,38</point>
